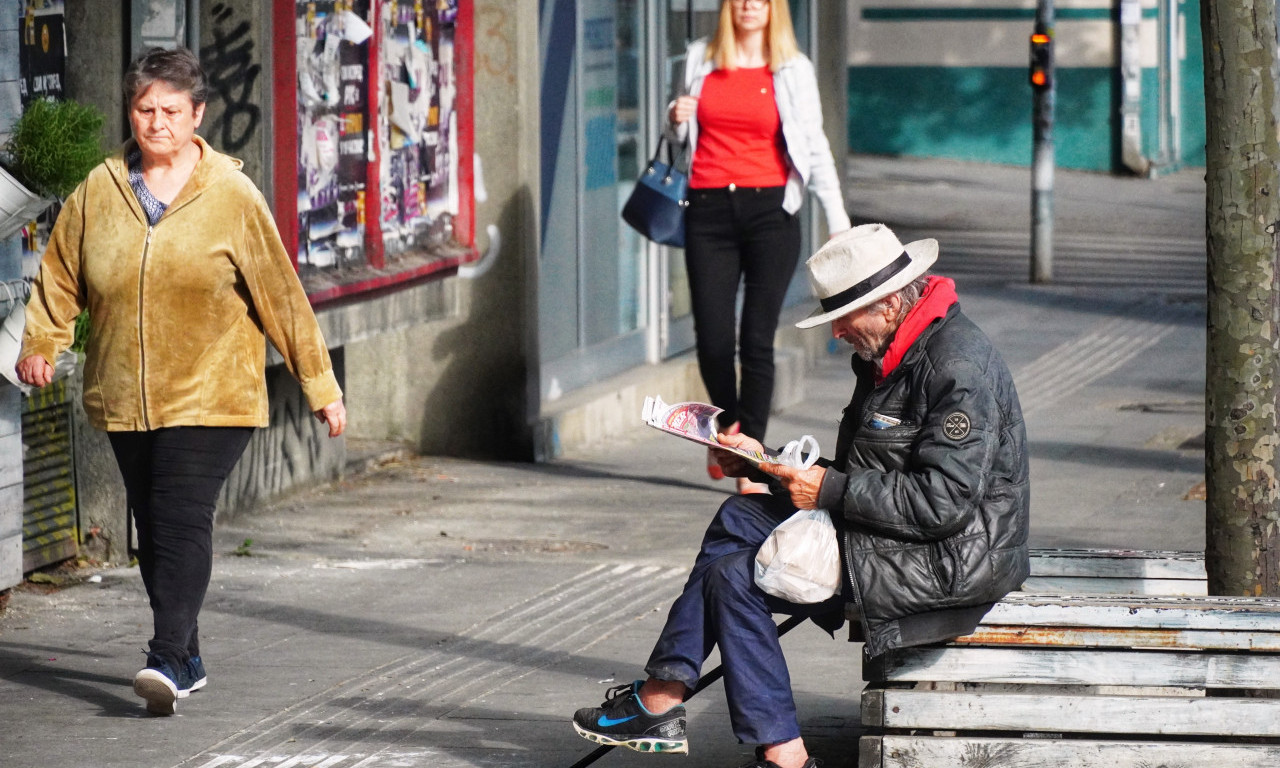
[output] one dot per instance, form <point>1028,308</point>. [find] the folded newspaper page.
<point>696,422</point>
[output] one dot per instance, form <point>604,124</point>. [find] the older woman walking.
<point>175,255</point>
<point>751,113</point>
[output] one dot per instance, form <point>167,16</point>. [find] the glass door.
<point>593,280</point>
<point>685,21</point>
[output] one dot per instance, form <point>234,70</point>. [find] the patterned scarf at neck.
<point>150,205</point>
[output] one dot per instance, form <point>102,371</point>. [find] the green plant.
<point>243,550</point>
<point>54,145</point>
<point>81,337</point>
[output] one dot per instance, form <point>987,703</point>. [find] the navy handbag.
<point>656,206</point>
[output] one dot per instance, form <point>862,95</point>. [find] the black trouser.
<point>737,235</point>
<point>172,478</point>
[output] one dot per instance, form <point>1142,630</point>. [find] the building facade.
<point>609,69</point>
<point>448,175</point>
<point>938,78</point>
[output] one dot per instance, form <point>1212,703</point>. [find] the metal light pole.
<point>1042,85</point>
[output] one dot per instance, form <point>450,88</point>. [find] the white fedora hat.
<point>861,266</point>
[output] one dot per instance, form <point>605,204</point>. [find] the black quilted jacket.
<point>931,488</point>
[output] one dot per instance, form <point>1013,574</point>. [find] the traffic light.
<point>1041,61</point>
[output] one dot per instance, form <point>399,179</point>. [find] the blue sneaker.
<point>160,685</point>
<point>196,678</point>
<point>622,721</point>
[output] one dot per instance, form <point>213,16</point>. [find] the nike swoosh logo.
<point>606,722</point>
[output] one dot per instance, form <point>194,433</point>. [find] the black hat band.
<point>857,291</point>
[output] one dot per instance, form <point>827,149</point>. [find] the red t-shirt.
<point>739,131</point>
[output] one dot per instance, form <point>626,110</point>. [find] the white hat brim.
<point>923,254</point>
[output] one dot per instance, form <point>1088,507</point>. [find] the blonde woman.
<point>751,114</point>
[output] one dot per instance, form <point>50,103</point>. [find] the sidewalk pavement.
<point>439,612</point>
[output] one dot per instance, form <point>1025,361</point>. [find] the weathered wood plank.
<point>1138,611</point>
<point>1085,585</point>
<point>961,664</point>
<point>1064,713</point>
<point>962,752</point>
<point>869,752</point>
<point>1088,637</point>
<point>1118,563</point>
<point>1104,618</point>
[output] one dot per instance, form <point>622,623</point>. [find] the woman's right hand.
<point>683,109</point>
<point>335,415</point>
<point>35,371</point>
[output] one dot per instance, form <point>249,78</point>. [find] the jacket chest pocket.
<point>884,445</point>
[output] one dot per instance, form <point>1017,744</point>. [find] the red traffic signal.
<point>1041,61</point>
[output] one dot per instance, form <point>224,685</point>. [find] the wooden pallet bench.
<point>1087,679</point>
<point>1116,572</point>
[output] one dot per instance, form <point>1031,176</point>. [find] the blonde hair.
<point>780,37</point>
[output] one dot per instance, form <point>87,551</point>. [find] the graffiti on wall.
<point>498,58</point>
<point>229,64</point>
<point>295,449</point>
<point>419,158</point>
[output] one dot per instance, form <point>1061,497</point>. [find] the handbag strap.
<point>672,157</point>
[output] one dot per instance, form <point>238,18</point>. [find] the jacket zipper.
<point>863,410</point>
<point>848,550</point>
<point>142,348</point>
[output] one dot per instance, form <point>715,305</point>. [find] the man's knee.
<point>753,515</point>
<point>730,578</point>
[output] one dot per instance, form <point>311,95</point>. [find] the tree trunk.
<point>1242,531</point>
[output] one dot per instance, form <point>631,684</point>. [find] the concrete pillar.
<point>96,62</point>
<point>100,496</point>
<point>832,66</point>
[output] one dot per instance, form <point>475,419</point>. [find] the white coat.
<point>795,88</point>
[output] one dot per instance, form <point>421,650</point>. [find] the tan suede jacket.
<point>177,310</point>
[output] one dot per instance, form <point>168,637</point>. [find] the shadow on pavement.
<point>47,676</point>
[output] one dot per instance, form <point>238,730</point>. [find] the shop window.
<point>418,161</point>
<point>376,188</point>
<point>332,103</point>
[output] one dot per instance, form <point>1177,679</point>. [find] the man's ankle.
<point>787,754</point>
<point>658,696</point>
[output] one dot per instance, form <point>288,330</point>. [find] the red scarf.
<point>937,298</point>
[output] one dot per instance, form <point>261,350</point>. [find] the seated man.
<point>929,488</point>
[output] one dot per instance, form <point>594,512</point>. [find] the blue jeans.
<point>721,605</point>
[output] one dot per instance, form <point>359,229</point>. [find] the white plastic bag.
<point>800,561</point>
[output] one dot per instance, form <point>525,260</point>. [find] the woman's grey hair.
<point>178,68</point>
<point>909,293</point>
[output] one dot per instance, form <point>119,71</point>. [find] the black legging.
<point>731,236</point>
<point>172,478</point>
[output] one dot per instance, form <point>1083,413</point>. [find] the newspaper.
<point>697,422</point>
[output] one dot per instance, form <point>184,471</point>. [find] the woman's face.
<point>163,119</point>
<point>750,15</point>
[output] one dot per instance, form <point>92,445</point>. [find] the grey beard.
<point>873,355</point>
<point>870,357</point>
